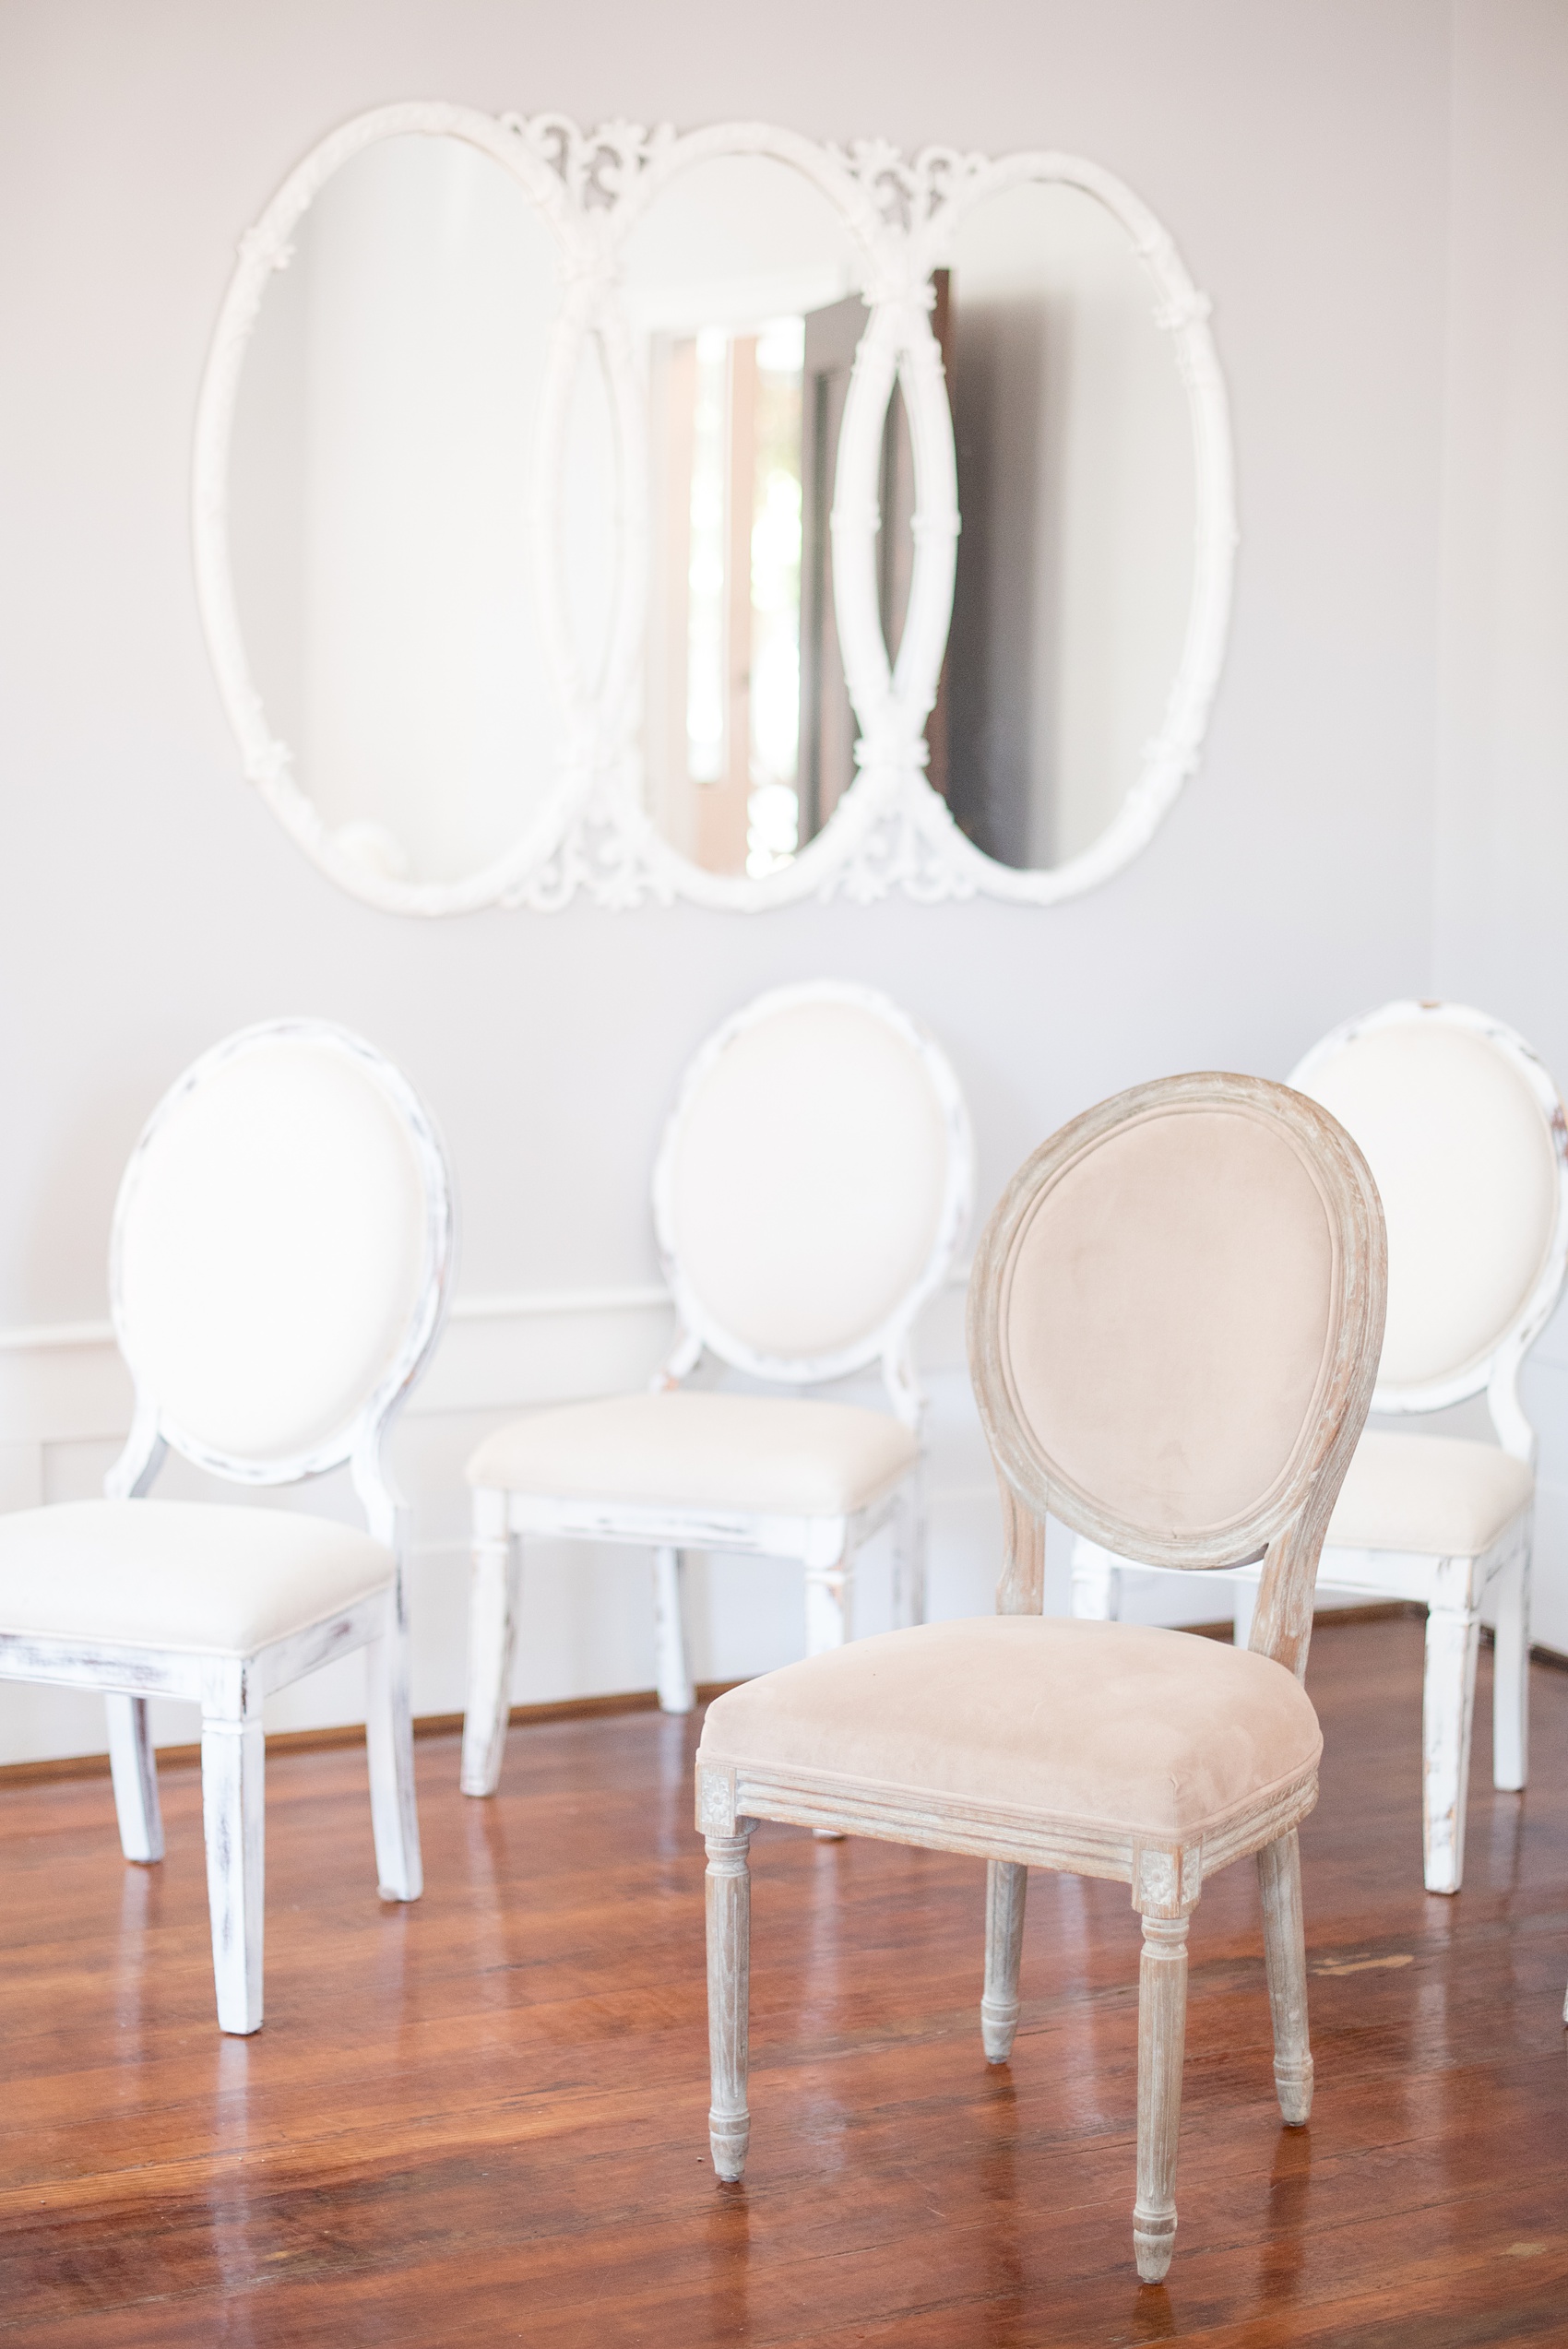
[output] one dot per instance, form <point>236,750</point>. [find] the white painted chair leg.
<point>671,1671</point>
<point>1162,2036</point>
<point>1285,1959</point>
<point>233,1816</point>
<point>389,1743</point>
<point>1448,1707</point>
<point>1006,1884</point>
<point>1511,1676</point>
<point>135,1772</point>
<point>493,1617</point>
<point>729,1996</point>
<point>830,1592</point>
<point>1243,1607</point>
<point>1096,1590</point>
<point>908,1554</point>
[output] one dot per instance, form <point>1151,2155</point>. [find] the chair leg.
<point>671,1671</point>
<point>1511,1676</point>
<point>1006,1884</point>
<point>830,1592</point>
<point>728,1992</point>
<point>1097,1585</point>
<point>233,1816</point>
<point>1448,1708</point>
<point>133,1768</point>
<point>492,1617</point>
<point>1162,2033</point>
<point>389,1743</point>
<point>1243,1607</point>
<point>908,1554</point>
<point>1285,1958</point>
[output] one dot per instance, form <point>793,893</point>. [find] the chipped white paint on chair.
<point>1465,1136</point>
<point>279,1266</point>
<point>813,1184</point>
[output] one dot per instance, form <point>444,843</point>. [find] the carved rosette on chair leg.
<point>1284,1956</point>
<point>1007,1883</point>
<point>728,1990</point>
<point>1162,2035</point>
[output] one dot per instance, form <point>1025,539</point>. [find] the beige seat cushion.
<point>1437,1495</point>
<point>192,1576</point>
<point>1155,1733</point>
<point>753,1451</point>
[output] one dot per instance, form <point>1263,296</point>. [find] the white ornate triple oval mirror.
<point>586,512</point>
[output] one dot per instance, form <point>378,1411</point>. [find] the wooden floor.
<point>483,2118</point>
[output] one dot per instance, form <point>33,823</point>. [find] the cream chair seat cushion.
<point>1439,1496</point>
<point>752,1452</point>
<point>195,1577</point>
<point>1157,1734</point>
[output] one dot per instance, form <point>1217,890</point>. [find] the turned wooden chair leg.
<point>1162,2033</point>
<point>830,1592</point>
<point>1511,1676</point>
<point>492,1615</point>
<point>133,1769</point>
<point>1448,1707</point>
<point>234,1817</point>
<point>390,1741</point>
<point>1095,1583</point>
<point>1006,1884</point>
<point>671,1672</point>
<point>729,1993</point>
<point>1285,1957</point>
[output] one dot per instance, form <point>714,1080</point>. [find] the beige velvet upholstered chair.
<point>1174,1323</point>
<point>281,1250</point>
<point>814,1181</point>
<point>1465,1136</point>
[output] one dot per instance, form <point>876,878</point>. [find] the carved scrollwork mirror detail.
<point>579,513</point>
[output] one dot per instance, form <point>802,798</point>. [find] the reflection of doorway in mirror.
<point>724,683</point>
<point>1076,488</point>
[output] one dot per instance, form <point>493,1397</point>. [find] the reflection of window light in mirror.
<point>706,637</point>
<point>773,808</point>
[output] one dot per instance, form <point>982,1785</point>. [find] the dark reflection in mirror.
<point>1076,492</point>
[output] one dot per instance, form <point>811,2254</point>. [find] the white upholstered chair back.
<point>1174,1316</point>
<point>815,1179</point>
<point>281,1254</point>
<point>1465,1134</point>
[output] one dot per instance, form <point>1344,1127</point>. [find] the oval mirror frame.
<point>891,833</point>
<point>267,763</point>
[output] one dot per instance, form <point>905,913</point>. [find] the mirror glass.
<point>387,542</point>
<point>1078,494</point>
<point>739,288</point>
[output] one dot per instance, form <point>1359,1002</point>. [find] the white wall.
<point>1298,150</point>
<point>1502,833</point>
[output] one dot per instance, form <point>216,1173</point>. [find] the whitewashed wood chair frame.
<point>232,1690</point>
<point>1452,1589</point>
<point>1286,1525</point>
<point>824,1546</point>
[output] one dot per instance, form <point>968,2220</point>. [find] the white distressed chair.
<point>1174,1320</point>
<point>814,1181</point>
<point>1465,1136</point>
<point>281,1254</point>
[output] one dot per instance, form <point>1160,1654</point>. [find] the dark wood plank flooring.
<point>483,2118</point>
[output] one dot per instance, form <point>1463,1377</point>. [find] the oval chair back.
<point>1465,1136</point>
<point>813,1183</point>
<point>281,1257</point>
<point>1175,1321</point>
